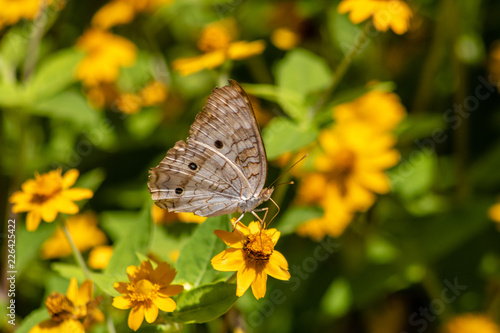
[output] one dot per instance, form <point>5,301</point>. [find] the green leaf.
<point>194,263</point>
<point>117,224</point>
<point>282,135</point>
<point>13,46</point>
<point>142,124</point>
<point>91,179</point>
<point>35,317</point>
<point>25,254</point>
<point>303,72</point>
<point>136,241</point>
<point>338,298</point>
<point>292,103</point>
<point>68,105</point>
<point>68,271</point>
<point>11,95</point>
<point>54,74</point>
<point>205,303</point>
<point>105,282</point>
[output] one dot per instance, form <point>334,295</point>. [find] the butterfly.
<point>222,166</point>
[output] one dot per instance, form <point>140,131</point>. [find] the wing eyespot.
<point>193,166</point>
<point>179,191</point>
<point>218,144</point>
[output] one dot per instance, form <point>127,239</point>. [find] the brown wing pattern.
<point>220,165</point>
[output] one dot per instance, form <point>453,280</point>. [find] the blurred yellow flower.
<point>105,55</point>
<point>190,218</point>
<point>380,109</point>
<point>123,11</point>
<point>216,42</point>
<point>47,195</point>
<point>494,63</point>
<point>471,323</point>
<point>99,256</point>
<point>349,173</point>
<point>285,39</point>
<point>13,11</point>
<point>67,311</point>
<point>163,216</point>
<point>84,232</point>
<point>129,103</point>
<point>149,290</point>
<point>494,214</point>
<point>153,93</point>
<point>113,13</point>
<point>393,14</point>
<point>253,256</point>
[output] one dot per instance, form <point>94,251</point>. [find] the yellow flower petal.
<point>150,311</point>
<point>233,239</point>
<point>229,260</point>
<point>165,303</point>
<point>76,194</point>
<point>244,278</point>
<point>136,317</point>
<point>85,293</point>
<point>33,220</point>
<point>72,292</point>
<point>259,284</point>
<point>69,178</point>
<point>171,290</point>
<point>122,302</point>
<point>277,267</point>
<point>120,287</point>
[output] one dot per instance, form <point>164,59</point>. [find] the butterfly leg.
<point>238,220</point>
<point>262,221</point>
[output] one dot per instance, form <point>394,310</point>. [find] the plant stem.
<point>76,252</point>
<point>434,290</point>
<point>340,71</point>
<point>34,43</point>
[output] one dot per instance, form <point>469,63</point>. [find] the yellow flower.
<point>190,218</point>
<point>113,13</point>
<point>253,256</point>
<point>129,103</point>
<point>494,214</point>
<point>123,11</point>
<point>149,290</point>
<point>285,39</point>
<point>67,311</point>
<point>471,323</point>
<point>153,94</point>
<point>99,256</point>
<point>216,42</point>
<point>84,232</point>
<point>494,63</point>
<point>349,173</point>
<point>13,11</point>
<point>387,114</point>
<point>105,55</point>
<point>47,195</point>
<point>393,14</point>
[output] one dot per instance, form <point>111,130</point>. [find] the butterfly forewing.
<point>222,164</point>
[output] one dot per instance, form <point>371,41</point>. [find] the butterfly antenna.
<point>284,172</point>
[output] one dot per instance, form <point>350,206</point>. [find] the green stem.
<point>34,43</point>
<point>340,71</point>
<point>76,252</point>
<point>434,290</point>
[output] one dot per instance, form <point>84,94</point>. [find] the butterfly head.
<point>266,193</point>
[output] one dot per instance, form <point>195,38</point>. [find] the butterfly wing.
<point>222,164</point>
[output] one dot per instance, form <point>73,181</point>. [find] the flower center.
<point>344,167</point>
<point>59,307</point>
<point>144,290</point>
<point>214,37</point>
<point>259,247</point>
<point>47,186</point>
